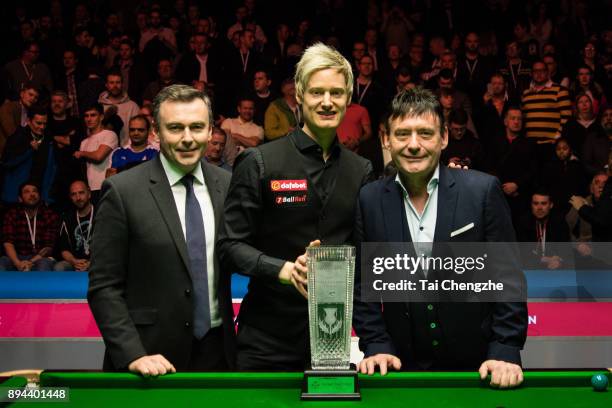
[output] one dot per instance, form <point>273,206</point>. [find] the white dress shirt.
<point>422,226</point>
<point>179,192</point>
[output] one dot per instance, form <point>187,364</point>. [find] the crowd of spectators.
<point>524,86</point>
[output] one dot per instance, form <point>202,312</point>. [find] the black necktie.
<point>196,246</point>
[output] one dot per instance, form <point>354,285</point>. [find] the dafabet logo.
<point>289,185</point>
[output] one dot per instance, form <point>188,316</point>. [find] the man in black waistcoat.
<point>284,195</point>
<point>428,203</point>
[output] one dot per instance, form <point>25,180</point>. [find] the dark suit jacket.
<point>139,281</point>
<point>188,68</point>
<point>472,332</point>
<point>10,121</point>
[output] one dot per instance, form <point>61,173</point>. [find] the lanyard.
<point>360,93</point>
<point>541,234</point>
<point>518,71</point>
<point>85,239</point>
<point>29,74</point>
<point>31,230</point>
<point>245,61</point>
<point>471,68</point>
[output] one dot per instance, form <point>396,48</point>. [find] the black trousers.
<point>261,351</point>
<point>208,353</point>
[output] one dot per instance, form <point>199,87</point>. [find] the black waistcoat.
<point>293,215</point>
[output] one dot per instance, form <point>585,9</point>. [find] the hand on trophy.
<point>296,272</point>
<point>299,274</point>
<point>368,365</point>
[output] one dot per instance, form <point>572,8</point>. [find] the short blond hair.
<point>318,57</point>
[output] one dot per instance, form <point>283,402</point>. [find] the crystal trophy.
<point>331,271</point>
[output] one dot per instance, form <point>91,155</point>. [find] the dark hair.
<point>36,110</point>
<point>112,121</point>
<point>245,97</point>
<point>497,74</point>
<point>219,131</point>
<point>521,21</point>
<point>72,50</point>
<point>518,46</point>
<point>366,56</point>
<point>599,173</point>
<point>80,181</point>
<point>29,85</point>
<point>508,108</point>
<point>582,94</point>
<point>127,41</point>
<point>287,81</point>
<point>458,116</point>
<point>403,71</point>
<point>242,33</point>
<point>537,61</point>
<point>445,74</point>
<point>95,106</point>
<point>28,183</point>
<point>80,30</point>
<point>543,191</point>
<point>415,102</point>
<point>143,118</point>
<point>584,66</point>
<point>180,93</point>
<point>265,72</point>
<point>114,72</point>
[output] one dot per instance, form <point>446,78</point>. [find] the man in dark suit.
<point>198,64</point>
<point>427,202</point>
<point>155,287</point>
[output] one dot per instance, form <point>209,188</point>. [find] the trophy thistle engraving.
<point>330,305</point>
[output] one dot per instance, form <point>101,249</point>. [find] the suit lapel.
<point>162,194</point>
<point>218,201</point>
<point>214,190</point>
<point>447,205</point>
<point>393,210</point>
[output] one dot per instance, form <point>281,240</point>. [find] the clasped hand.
<point>296,273</point>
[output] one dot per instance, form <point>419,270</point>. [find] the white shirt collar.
<point>175,174</point>
<point>431,185</point>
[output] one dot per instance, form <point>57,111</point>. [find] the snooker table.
<point>397,389</point>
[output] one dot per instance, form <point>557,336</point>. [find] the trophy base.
<point>330,385</point>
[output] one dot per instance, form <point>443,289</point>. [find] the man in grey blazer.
<point>155,288</point>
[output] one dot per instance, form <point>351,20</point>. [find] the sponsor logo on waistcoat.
<point>289,185</point>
